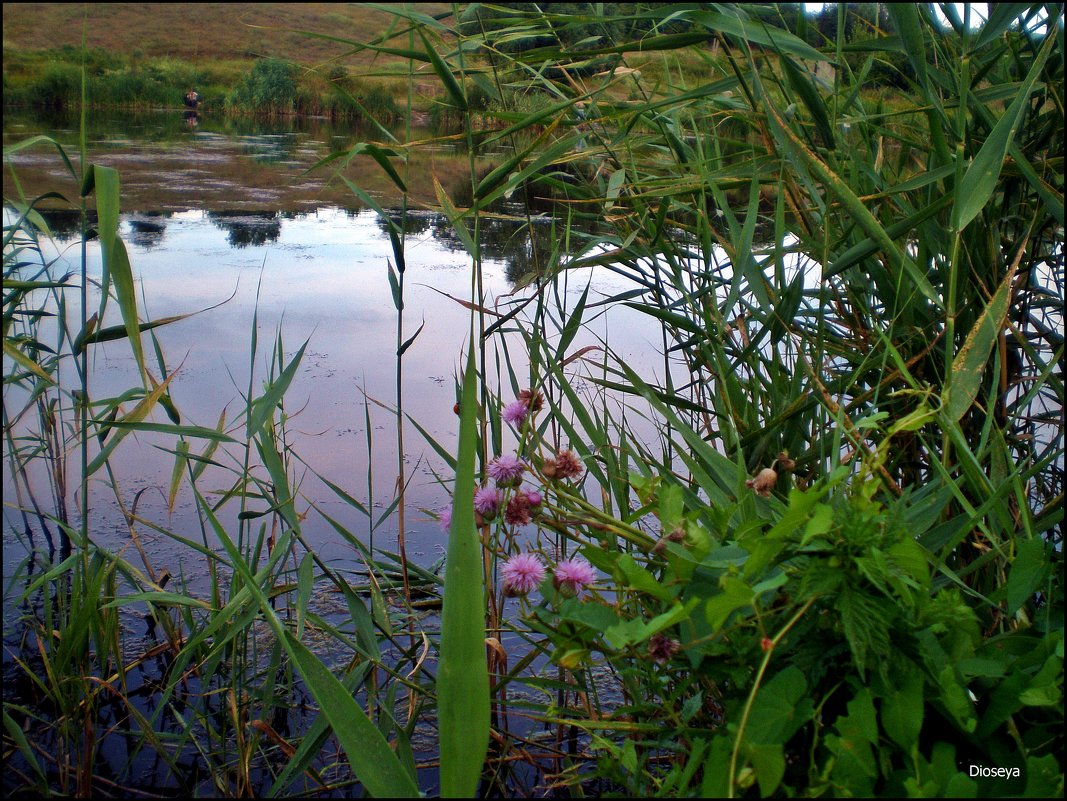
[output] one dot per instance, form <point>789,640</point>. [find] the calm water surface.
<point>231,217</point>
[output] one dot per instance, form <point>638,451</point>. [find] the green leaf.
<point>769,764</point>
<point>124,426</point>
<point>452,86</point>
<point>181,460</point>
<point>980,180</point>
<point>735,595</point>
<point>263,407</point>
<point>969,363</point>
<point>463,674</point>
<point>755,32</point>
<point>902,711</point>
<point>802,85</point>
<point>116,263</point>
<point>780,708</point>
<point>14,353</point>
<point>373,762</point>
<point>1027,572</point>
<point>305,584</point>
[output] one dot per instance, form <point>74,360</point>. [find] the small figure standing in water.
<point>192,99</point>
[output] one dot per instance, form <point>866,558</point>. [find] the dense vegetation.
<point>837,569</point>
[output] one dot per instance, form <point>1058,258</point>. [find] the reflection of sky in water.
<point>320,277</point>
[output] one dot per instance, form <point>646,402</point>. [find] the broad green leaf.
<point>1028,570</point>
<point>463,673</point>
<point>735,595</point>
<point>902,711</point>
<point>373,762</point>
<point>769,764</point>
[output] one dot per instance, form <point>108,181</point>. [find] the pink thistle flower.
<point>522,573</point>
<point>487,500</point>
<point>515,413</point>
<point>444,517</point>
<point>533,497</point>
<point>506,470</point>
<point>572,576</point>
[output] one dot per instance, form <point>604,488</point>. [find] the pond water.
<point>306,260</point>
<point>224,220</point>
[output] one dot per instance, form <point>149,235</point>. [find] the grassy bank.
<point>150,55</point>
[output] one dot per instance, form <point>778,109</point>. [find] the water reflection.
<point>248,228</point>
<point>147,229</point>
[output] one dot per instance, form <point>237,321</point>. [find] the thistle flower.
<point>572,576</point>
<point>534,401</point>
<point>487,501</point>
<point>506,470</point>
<point>444,517</point>
<point>661,648</point>
<point>763,483</point>
<point>522,573</point>
<point>515,412</point>
<point>565,465</point>
<point>517,512</point>
<point>533,497</point>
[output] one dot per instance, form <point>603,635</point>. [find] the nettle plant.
<point>811,644</point>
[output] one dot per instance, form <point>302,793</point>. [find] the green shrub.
<point>270,87</point>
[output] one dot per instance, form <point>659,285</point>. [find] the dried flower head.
<point>565,465</point>
<point>517,512</point>
<point>506,470</point>
<point>572,576</point>
<point>676,534</point>
<point>763,483</point>
<point>487,501</point>
<point>534,401</point>
<point>661,648</point>
<point>785,462</point>
<point>522,574</point>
